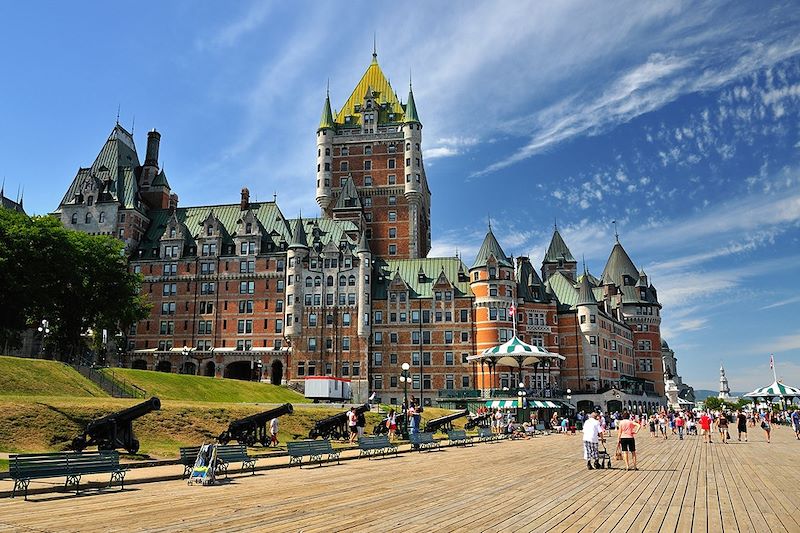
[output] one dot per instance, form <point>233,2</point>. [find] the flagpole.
<point>772,365</point>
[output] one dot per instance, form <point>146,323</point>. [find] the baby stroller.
<point>603,457</point>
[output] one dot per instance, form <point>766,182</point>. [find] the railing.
<point>113,385</point>
<point>455,393</point>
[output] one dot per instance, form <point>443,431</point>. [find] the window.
<point>392,179</point>
<point>368,164</point>
<point>377,358</point>
<point>345,150</point>
<point>594,361</point>
<point>278,325</point>
<point>378,317</point>
<point>393,382</point>
<point>415,381</point>
<point>448,358</point>
<point>415,337</point>
<point>301,368</point>
<point>209,249</point>
<point>168,308</point>
<point>102,217</point>
<point>207,287</point>
<point>367,181</point>
<point>312,319</point>
<point>247,266</point>
<point>393,200</point>
<point>346,344</point>
<point>367,201</point>
<point>170,289</point>
<point>356,368</point>
<point>368,149</point>
<point>592,339</point>
<point>247,287</point>
<point>345,319</point>
<point>88,217</point>
<point>392,233</point>
<point>464,382</point>
<point>312,344</point>
<point>74,218</point>
<point>207,268</point>
<point>343,166</point>
<point>492,290</point>
<point>392,216</point>
<point>392,163</point>
<point>392,249</point>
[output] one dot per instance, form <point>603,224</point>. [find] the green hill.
<point>205,389</point>
<point>37,377</point>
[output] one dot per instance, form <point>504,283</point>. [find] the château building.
<point>243,291</point>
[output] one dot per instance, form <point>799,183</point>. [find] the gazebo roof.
<point>775,390</point>
<point>515,353</point>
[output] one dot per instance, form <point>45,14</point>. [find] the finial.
<point>616,234</point>
<point>118,106</point>
<point>275,197</point>
<point>489,217</point>
<point>374,44</point>
<point>133,125</point>
<point>409,78</point>
<point>18,193</point>
<point>3,188</point>
<point>328,88</point>
<point>21,195</point>
<point>555,223</point>
<point>583,258</point>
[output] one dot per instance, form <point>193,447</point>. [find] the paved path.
<point>534,485</point>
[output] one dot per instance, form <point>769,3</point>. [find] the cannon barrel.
<point>131,413</point>
<point>335,425</point>
<point>252,429</point>
<point>478,420</point>
<point>260,418</point>
<point>115,430</point>
<point>443,422</point>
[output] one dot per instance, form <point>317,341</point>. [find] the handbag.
<point>618,453</point>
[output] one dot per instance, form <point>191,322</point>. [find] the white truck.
<point>327,388</point>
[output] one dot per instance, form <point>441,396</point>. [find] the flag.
<point>512,310</point>
<point>372,396</point>
<point>771,362</point>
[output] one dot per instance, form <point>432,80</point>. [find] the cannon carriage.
<point>483,420</point>
<point>253,429</point>
<point>382,429</point>
<point>115,430</point>
<point>335,426</point>
<point>444,423</point>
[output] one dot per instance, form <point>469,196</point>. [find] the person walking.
<point>592,433</point>
<point>627,438</point>
<point>722,426</point>
<point>352,424</point>
<point>652,423</point>
<point>795,418</point>
<point>766,424</point>
<point>705,427</point>
<point>497,423</point>
<point>741,424</point>
<point>391,424</point>
<point>679,423</point>
<point>273,432</point>
<point>361,423</point>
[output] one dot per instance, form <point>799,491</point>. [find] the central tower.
<point>370,168</point>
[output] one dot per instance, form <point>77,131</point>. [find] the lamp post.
<point>569,396</point>
<point>521,408</point>
<point>44,329</point>
<point>185,352</point>
<point>404,377</point>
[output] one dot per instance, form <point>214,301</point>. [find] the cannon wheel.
<point>134,446</point>
<point>224,438</point>
<point>79,444</point>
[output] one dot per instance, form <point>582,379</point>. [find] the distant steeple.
<point>298,235</point>
<point>411,107</point>
<point>326,122</point>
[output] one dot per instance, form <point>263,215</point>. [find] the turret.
<point>325,134</point>
<point>558,258</point>
<point>295,254</point>
<point>414,173</point>
<point>364,288</point>
<point>587,306</point>
<point>150,167</point>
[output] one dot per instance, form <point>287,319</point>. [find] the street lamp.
<point>521,409</point>
<point>185,352</point>
<point>404,377</point>
<point>44,329</point>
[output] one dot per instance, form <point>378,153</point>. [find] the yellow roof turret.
<point>373,80</point>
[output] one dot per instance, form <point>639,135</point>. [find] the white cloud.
<point>230,34</point>
<point>781,303</point>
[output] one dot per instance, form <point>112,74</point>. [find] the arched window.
<point>102,217</point>
<point>308,281</point>
<point>88,218</point>
<point>248,228</point>
<point>318,281</point>
<point>329,281</point>
<point>342,281</point>
<point>351,281</point>
<point>172,231</point>
<point>209,229</point>
<point>327,151</point>
<point>74,218</point>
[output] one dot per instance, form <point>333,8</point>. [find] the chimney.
<point>245,205</point>
<point>153,141</point>
<point>173,202</point>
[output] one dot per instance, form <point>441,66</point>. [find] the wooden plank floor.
<point>535,485</point>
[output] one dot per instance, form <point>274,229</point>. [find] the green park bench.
<point>25,467</point>
<point>424,441</point>
<point>459,437</point>
<point>373,446</point>
<point>314,449</point>
<point>234,453</point>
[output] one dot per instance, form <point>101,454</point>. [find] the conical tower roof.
<point>375,79</point>
<point>411,108</point>
<point>619,264</point>
<point>326,122</point>
<point>348,197</point>
<point>558,250</point>
<point>489,247</point>
<point>298,235</point>
<point>363,246</point>
<point>585,292</point>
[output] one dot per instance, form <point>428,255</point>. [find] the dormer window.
<point>248,228</point>
<point>209,230</point>
<point>492,272</point>
<point>172,233</point>
<point>345,150</point>
<point>90,200</point>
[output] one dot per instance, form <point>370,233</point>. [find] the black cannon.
<point>115,430</point>
<point>334,427</point>
<point>253,428</point>
<point>444,423</point>
<point>381,429</point>
<point>482,420</point>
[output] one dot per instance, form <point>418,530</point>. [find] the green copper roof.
<point>529,285</point>
<point>160,180</point>
<point>327,116</point>
<point>409,270</point>
<point>558,250</point>
<point>411,108</point>
<point>618,266</point>
<point>585,292</point>
<point>563,288</point>
<point>490,247</point>
<point>348,197</point>
<point>298,235</point>
<point>363,245</point>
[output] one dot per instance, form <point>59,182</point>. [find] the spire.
<point>489,247</point>
<point>326,122</point>
<point>618,266</point>
<point>411,107</point>
<point>558,250</point>
<point>298,235</point>
<point>585,293</point>
<point>363,246</point>
<point>375,47</point>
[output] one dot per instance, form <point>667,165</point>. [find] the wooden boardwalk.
<point>535,485</point>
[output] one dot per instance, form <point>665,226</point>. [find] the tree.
<point>75,280</point>
<point>713,403</point>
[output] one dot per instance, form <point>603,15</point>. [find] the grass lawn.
<point>3,465</point>
<point>169,386</point>
<point>37,377</point>
<point>39,424</point>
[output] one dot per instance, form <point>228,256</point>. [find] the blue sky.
<point>680,120</point>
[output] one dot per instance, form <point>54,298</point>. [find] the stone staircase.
<point>113,385</point>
